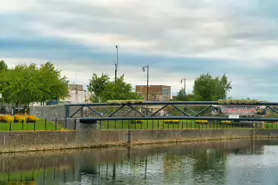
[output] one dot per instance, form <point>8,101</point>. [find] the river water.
<point>241,162</point>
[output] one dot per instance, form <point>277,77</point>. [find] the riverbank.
<point>59,140</point>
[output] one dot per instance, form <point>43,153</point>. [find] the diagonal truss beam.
<point>273,109</point>
<point>76,111</point>
<point>95,111</point>
<point>202,111</point>
<point>185,113</point>
<point>113,113</point>
<point>136,110</point>
<point>190,110</point>
<point>159,110</point>
<point>169,111</point>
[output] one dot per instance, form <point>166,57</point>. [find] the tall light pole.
<point>116,64</point>
<point>184,83</point>
<point>143,69</point>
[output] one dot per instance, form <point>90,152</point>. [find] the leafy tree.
<point>181,96</point>
<point>27,84</point>
<point>97,86</point>
<point>53,84</point>
<point>105,89</point>
<point>3,66</point>
<point>207,88</point>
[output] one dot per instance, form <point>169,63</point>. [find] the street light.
<point>143,69</point>
<point>184,81</point>
<point>116,64</point>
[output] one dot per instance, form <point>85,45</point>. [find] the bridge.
<point>170,110</point>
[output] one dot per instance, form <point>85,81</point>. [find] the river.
<point>243,162</point>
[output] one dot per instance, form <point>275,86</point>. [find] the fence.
<point>40,125</point>
<point>74,124</point>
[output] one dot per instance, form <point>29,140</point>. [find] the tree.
<point>53,84</point>
<point>3,66</point>
<point>104,89</point>
<point>181,96</point>
<point>207,88</point>
<point>97,86</point>
<point>27,84</point>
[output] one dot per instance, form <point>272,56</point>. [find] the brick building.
<point>156,92</point>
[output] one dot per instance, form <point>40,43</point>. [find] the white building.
<point>78,94</point>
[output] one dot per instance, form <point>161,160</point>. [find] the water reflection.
<point>235,162</point>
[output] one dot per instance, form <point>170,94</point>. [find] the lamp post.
<point>116,64</point>
<point>184,83</point>
<point>143,69</point>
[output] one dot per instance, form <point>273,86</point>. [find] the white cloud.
<point>203,29</point>
<point>16,5</point>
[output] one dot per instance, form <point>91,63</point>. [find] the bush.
<point>202,121</point>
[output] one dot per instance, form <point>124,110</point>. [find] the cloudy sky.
<point>177,38</point>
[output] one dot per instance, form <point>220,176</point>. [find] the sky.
<point>177,39</point>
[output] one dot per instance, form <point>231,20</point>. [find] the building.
<point>78,94</point>
<point>156,92</point>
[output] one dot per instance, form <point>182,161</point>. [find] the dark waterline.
<point>235,162</point>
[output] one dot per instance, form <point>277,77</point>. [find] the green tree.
<point>3,66</point>
<point>52,83</point>
<point>105,89</point>
<point>97,85</point>
<point>27,84</point>
<point>207,88</point>
<point>181,96</point>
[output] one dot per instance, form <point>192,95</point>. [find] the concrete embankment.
<point>44,140</point>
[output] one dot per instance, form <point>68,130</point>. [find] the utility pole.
<point>143,69</point>
<point>116,64</point>
<point>184,83</point>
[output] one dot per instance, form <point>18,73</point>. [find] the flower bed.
<point>116,102</point>
<point>202,121</point>
<point>137,121</point>
<point>31,119</point>
<point>7,119</point>
<point>171,121</point>
<point>238,102</point>
<point>20,119</point>
<point>226,122</point>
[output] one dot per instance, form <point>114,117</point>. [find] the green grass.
<point>271,125</point>
<point>39,125</point>
<point>158,124</point>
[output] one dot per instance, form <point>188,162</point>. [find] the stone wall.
<point>46,140</point>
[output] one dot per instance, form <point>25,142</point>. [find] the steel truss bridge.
<point>170,110</point>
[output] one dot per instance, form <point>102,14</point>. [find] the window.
<point>165,92</point>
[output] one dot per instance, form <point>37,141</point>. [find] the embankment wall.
<point>46,140</point>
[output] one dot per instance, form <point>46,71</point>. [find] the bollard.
<point>45,124</point>
<point>74,126</point>
<point>55,123</point>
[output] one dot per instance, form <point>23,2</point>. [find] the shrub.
<point>202,121</point>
